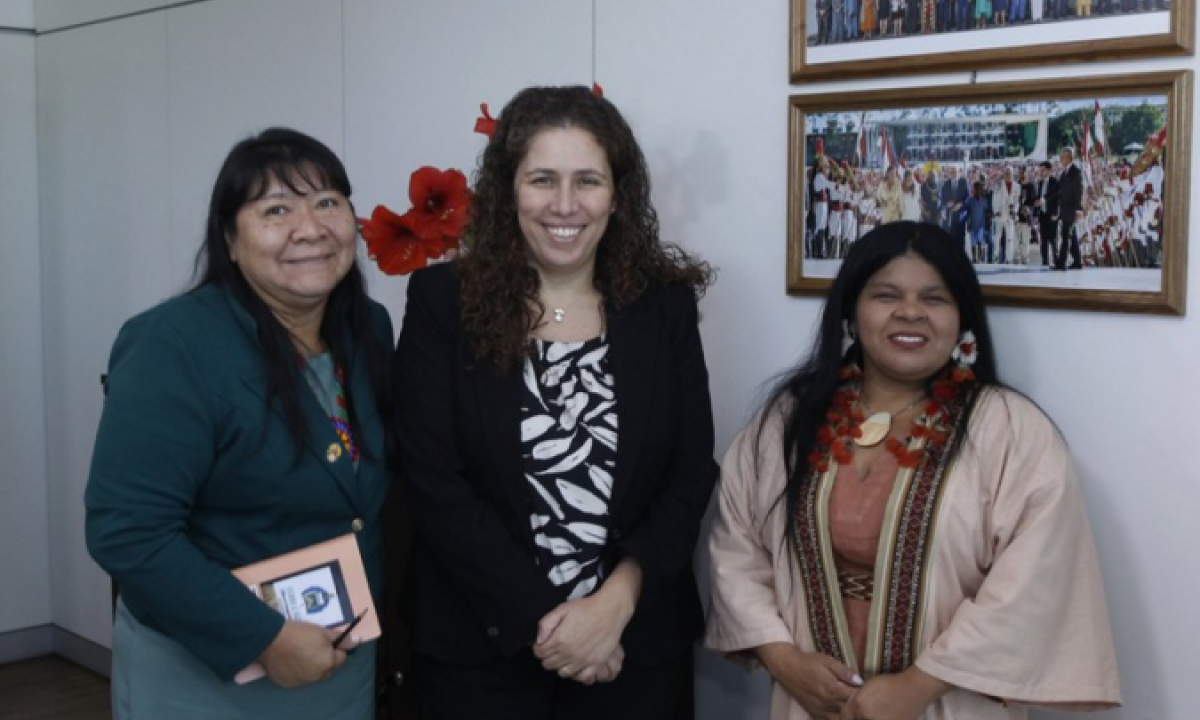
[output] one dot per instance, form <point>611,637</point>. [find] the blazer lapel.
<point>500,419</point>
<point>633,345</point>
<point>324,444</point>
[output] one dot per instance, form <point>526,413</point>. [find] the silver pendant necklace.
<point>559,314</point>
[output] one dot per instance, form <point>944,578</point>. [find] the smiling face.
<point>564,191</point>
<point>293,248</point>
<point>907,323</point>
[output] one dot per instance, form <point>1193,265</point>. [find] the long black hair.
<point>304,165</point>
<point>804,393</point>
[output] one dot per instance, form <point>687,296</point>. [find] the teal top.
<point>192,475</point>
<point>324,379</point>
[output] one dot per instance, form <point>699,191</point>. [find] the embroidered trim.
<point>807,546</point>
<point>859,586</point>
<point>902,588</point>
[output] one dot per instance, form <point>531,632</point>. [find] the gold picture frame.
<point>1119,36</point>
<point>1132,284</point>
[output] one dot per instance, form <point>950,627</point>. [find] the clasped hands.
<point>581,639</point>
<point>828,690</point>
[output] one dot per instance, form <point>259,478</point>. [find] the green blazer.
<point>193,475</point>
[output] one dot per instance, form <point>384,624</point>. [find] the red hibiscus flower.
<point>391,242</point>
<point>440,203</point>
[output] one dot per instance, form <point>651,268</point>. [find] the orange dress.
<point>867,23</point>
<point>856,510</point>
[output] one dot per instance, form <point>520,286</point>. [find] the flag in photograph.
<point>1101,140</point>
<point>1085,156</point>
<point>860,144</point>
<point>888,158</point>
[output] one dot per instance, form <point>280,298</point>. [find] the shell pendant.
<point>874,429</point>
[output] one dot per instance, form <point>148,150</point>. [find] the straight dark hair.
<point>802,395</point>
<point>304,165</point>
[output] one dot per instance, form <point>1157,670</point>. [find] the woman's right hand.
<point>303,653</point>
<point>819,683</point>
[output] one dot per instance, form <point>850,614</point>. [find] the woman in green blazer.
<point>242,420</point>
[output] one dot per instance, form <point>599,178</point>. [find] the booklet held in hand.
<point>324,584</point>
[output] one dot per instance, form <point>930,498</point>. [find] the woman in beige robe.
<point>960,583</point>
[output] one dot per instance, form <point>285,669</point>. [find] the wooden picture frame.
<point>1153,228</point>
<point>1119,36</point>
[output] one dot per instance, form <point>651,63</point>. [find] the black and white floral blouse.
<point>569,444</point>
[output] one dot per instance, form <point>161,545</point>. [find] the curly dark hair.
<point>499,288</point>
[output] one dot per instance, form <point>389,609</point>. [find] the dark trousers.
<point>1069,243</point>
<point>1047,228</point>
<point>520,689</point>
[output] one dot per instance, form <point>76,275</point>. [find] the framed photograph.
<point>840,39</point>
<point>1066,193</point>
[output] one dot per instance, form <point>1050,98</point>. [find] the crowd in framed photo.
<point>841,21</point>
<point>1064,213</point>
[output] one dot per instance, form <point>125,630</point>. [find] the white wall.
<point>102,121</point>
<point>58,14</point>
<point>135,115</point>
<point>23,502</point>
<point>16,14</point>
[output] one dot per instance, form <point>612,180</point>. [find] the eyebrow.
<point>894,286</point>
<point>552,171</point>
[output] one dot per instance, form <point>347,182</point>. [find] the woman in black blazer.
<point>556,431</point>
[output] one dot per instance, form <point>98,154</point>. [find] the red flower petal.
<point>391,242</point>
<point>441,202</point>
<point>485,124</point>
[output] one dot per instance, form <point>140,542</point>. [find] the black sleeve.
<point>664,540</point>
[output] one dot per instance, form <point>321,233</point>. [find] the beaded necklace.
<point>844,421</point>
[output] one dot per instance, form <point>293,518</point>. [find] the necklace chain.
<point>871,411</point>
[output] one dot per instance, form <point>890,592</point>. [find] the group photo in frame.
<point>986,162</point>
<point>841,39</point>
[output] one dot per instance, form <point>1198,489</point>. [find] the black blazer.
<point>476,593</point>
<point>1070,193</point>
<point>1050,208</point>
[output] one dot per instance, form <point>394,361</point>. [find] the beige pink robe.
<point>1006,598</point>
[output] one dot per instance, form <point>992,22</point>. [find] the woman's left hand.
<point>902,696</point>
<point>603,673</point>
<point>586,633</point>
